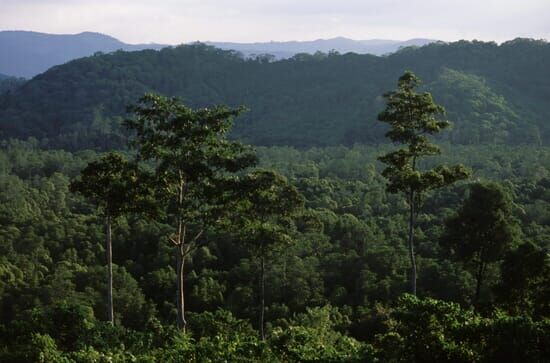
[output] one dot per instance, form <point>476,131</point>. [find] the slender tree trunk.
<point>181,323</point>
<point>411,241</point>
<point>109,250</point>
<point>479,278</point>
<point>262,293</point>
<point>180,263</point>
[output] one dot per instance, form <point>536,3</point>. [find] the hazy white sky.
<point>178,21</point>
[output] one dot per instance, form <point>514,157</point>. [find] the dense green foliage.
<point>331,295</point>
<point>310,239</point>
<point>483,230</point>
<point>493,93</point>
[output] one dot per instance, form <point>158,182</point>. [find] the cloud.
<point>176,21</point>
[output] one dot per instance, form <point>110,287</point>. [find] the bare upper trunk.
<point>479,279</point>
<point>262,292</point>
<point>411,241</point>
<point>180,288</point>
<point>109,252</point>
<point>180,262</point>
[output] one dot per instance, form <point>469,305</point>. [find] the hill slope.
<point>495,94</point>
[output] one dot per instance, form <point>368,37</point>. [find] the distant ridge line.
<point>28,53</point>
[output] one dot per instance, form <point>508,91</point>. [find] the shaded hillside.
<point>495,94</point>
<point>10,84</point>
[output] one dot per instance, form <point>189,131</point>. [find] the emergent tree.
<point>264,219</point>
<point>483,230</point>
<point>194,165</point>
<point>111,183</point>
<point>412,117</point>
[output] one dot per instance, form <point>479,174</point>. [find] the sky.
<point>181,21</point>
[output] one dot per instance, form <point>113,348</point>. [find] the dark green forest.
<point>494,93</point>
<point>276,232</point>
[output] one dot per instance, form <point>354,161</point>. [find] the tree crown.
<point>412,118</point>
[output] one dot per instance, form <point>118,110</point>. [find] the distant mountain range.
<point>26,54</point>
<point>342,45</point>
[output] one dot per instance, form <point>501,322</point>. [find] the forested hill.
<point>10,84</point>
<point>493,93</point>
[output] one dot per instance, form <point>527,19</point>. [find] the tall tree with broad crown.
<point>263,218</point>
<point>412,118</point>
<point>482,231</point>
<point>194,165</point>
<point>111,183</point>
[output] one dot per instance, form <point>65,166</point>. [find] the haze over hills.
<point>496,94</point>
<point>26,54</point>
<point>340,44</point>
